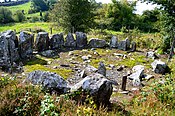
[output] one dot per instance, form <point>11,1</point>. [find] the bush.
<point>19,16</point>
<point>5,15</point>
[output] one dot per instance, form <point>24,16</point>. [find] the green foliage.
<point>5,15</point>
<point>77,14</point>
<point>40,5</point>
<point>122,14</point>
<point>168,24</point>
<point>47,106</point>
<point>19,99</point>
<point>19,16</point>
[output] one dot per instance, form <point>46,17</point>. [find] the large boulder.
<point>81,40</point>
<point>124,45</point>
<point>137,75</point>
<point>159,67</point>
<point>4,52</point>
<point>42,41</point>
<point>97,43</point>
<point>56,41</point>
<point>97,86</point>
<point>70,41</point>
<point>114,42</point>
<point>48,80</point>
<point>26,44</point>
<point>12,45</point>
<point>88,71</point>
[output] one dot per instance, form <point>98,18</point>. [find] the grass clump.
<point>65,73</point>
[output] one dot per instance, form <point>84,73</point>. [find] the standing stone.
<point>133,46</point>
<point>4,52</point>
<point>56,41</point>
<point>122,45</point>
<point>42,41</point>
<point>70,41</point>
<point>26,44</point>
<point>12,45</point>
<point>81,40</point>
<point>114,42</point>
<point>159,67</point>
<point>102,69</point>
<point>97,43</point>
<point>127,43</point>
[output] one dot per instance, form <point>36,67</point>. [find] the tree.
<point>40,5</point>
<point>19,16</point>
<point>122,13</point>
<point>168,25</point>
<point>5,15</point>
<point>77,14</point>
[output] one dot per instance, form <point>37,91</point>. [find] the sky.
<point>140,6</point>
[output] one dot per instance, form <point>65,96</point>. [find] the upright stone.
<point>12,45</point>
<point>26,41</point>
<point>133,46</point>
<point>56,41</point>
<point>42,41</point>
<point>102,69</point>
<point>122,45</point>
<point>4,52</point>
<point>97,43</point>
<point>127,43</point>
<point>81,39</point>
<point>70,41</point>
<point>114,42</point>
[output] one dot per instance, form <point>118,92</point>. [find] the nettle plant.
<point>48,107</point>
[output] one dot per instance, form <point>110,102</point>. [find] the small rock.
<point>48,53</point>
<point>148,77</point>
<point>84,58</point>
<point>151,54</point>
<point>55,67</point>
<point>102,69</point>
<point>65,65</point>
<point>112,66</point>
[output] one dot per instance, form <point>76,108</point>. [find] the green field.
<point>26,26</point>
<point>24,7</point>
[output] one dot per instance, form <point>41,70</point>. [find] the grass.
<point>26,7</point>
<point>26,26</point>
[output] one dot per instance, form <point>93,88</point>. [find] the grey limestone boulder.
<point>114,42</point>
<point>4,52</point>
<point>42,41</point>
<point>137,75</point>
<point>48,80</point>
<point>56,41</point>
<point>26,41</point>
<point>70,41</point>
<point>97,43</point>
<point>97,86</point>
<point>159,67</point>
<point>81,39</point>
<point>12,45</point>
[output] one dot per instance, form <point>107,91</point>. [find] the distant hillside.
<point>13,3</point>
